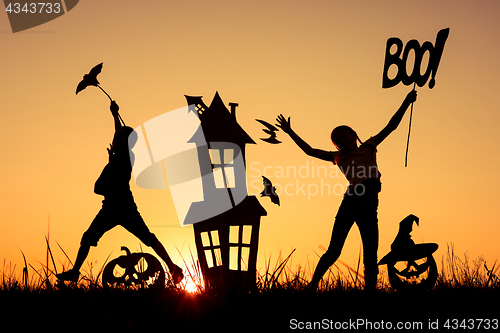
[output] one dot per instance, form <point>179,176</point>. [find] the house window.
<point>239,247</point>
<point>223,167</point>
<point>200,108</point>
<point>211,248</point>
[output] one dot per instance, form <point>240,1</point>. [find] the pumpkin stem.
<point>124,248</point>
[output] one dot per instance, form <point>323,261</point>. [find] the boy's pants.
<point>111,215</point>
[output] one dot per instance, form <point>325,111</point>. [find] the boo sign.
<point>399,59</point>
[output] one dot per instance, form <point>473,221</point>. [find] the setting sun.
<point>191,286</point>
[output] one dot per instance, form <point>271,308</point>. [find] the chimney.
<point>233,109</point>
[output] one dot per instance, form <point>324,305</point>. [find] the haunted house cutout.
<point>226,243</point>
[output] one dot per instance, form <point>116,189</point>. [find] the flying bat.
<point>270,191</point>
<point>271,130</point>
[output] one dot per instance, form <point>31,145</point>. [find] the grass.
<point>465,289</point>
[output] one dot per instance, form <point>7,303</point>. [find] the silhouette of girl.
<point>360,202</point>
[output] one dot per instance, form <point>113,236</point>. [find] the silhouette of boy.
<point>360,202</point>
<point>118,206</point>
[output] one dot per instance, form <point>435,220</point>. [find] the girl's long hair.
<point>339,128</point>
<point>347,128</point>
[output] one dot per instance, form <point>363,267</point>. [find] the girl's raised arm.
<point>396,119</point>
<point>284,124</point>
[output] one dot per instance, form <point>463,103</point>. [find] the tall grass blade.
<point>51,256</point>
<point>67,257</point>
<point>25,272</point>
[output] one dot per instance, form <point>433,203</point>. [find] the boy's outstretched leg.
<point>175,270</point>
<point>73,273</point>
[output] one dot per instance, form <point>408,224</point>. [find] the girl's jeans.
<point>363,211</point>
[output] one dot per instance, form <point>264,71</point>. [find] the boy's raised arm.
<point>114,111</point>
<point>284,124</point>
<point>119,132</point>
<point>396,118</point>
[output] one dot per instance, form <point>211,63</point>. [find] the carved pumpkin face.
<point>413,274</point>
<point>133,269</point>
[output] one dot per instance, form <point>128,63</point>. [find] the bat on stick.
<point>90,79</point>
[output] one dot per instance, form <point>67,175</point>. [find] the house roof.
<point>250,205</point>
<point>218,123</point>
<point>249,211</point>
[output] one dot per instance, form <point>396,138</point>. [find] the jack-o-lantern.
<point>133,269</point>
<point>410,266</point>
<point>417,270</point>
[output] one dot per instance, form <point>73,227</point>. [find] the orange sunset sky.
<point>319,62</point>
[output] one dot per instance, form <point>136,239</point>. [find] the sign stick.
<point>111,101</point>
<point>409,130</point>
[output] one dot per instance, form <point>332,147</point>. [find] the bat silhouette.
<point>270,191</point>
<point>271,130</point>
<point>90,79</point>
